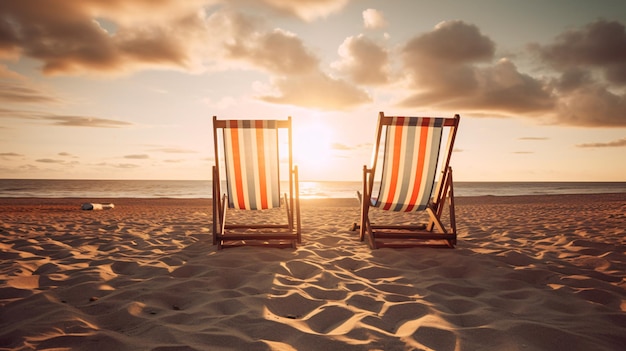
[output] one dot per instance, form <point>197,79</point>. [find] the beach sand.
<point>528,273</point>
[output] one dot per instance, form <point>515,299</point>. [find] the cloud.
<point>104,37</point>
<point>67,154</point>
<point>364,61</point>
<point>69,38</point>
<point>572,79</point>
<point>49,160</point>
<point>64,121</point>
<point>137,157</point>
<point>438,62</point>
<point>74,37</point>
<point>277,51</point>
<point>10,154</point>
<point>171,150</point>
<point>451,42</point>
<point>453,67</point>
<point>125,165</point>
<point>19,92</point>
<point>82,121</point>
<point>296,77</point>
<point>341,147</point>
<point>592,65</point>
<point>316,90</point>
<point>591,106</point>
<point>308,10</point>
<point>449,68</point>
<point>533,138</point>
<point>5,72</point>
<point>373,19</point>
<point>503,87</point>
<point>615,143</point>
<point>601,45</point>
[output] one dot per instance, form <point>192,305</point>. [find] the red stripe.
<point>261,157</point>
<point>419,170</point>
<point>237,163</point>
<point>397,139</point>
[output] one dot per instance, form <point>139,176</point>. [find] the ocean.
<point>53,188</point>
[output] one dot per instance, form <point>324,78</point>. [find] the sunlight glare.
<point>312,143</point>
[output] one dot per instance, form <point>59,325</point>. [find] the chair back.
<point>410,158</point>
<point>251,162</point>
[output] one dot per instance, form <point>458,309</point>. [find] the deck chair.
<point>249,151</point>
<point>411,157</point>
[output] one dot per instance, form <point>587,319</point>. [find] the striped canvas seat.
<point>248,158</point>
<point>408,174</point>
<point>251,158</point>
<point>411,157</point>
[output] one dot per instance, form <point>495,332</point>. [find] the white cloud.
<point>373,19</point>
<point>317,90</point>
<point>363,60</point>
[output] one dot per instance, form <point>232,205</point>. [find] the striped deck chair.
<point>411,156</point>
<point>249,151</point>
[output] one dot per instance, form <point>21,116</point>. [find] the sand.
<point>528,273</point>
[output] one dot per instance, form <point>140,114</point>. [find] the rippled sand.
<point>528,273</point>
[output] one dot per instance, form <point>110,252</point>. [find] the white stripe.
<point>402,154</point>
<point>434,152</point>
<point>248,134</point>
<point>229,160</point>
<point>252,141</point>
<point>386,174</point>
<point>426,170</point>
<point>271,155</point>
<point>414,159</point>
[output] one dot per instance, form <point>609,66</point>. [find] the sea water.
<point>57,188</point>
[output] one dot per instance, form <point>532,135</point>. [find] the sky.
<point>116,89</point>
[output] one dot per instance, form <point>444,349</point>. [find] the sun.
<point>312,148</point>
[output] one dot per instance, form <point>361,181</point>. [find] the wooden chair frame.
<point>412,235</point>
<point>276,234</point>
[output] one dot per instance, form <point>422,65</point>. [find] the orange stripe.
<point>261,157</point>
<point>419,171</point>
<point>237,163</point>
<point>395,162</point>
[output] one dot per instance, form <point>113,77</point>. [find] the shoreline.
<point>61,188</point>
<point>332,201</point>
<point>532,272</point>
